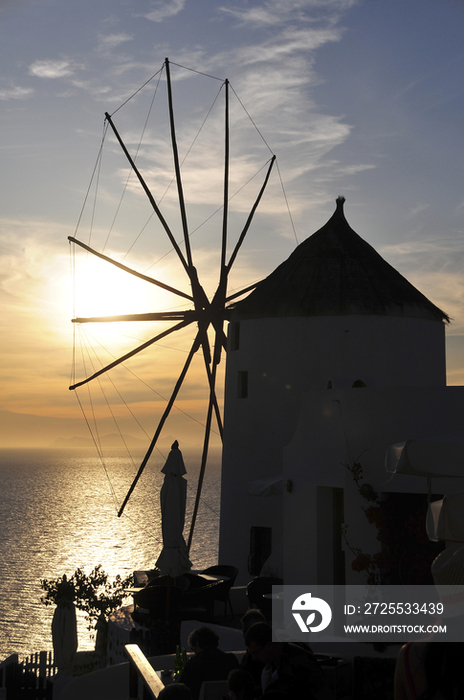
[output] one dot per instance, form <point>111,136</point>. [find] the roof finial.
<point>340,201</point>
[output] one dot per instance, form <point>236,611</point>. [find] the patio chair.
<point>222,590</point>
<point>197,603</point>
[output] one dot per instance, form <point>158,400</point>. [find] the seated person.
<point>287,667</point>
<point>209,662</point>
<point>241,685</point>
<point>248,663</point>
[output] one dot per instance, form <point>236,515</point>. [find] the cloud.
<point>418,209</point>
<point>288,42</point>
<point>435,266</point>
<point>274,78</point>
<point>16,93</point>
<point>259,16</point>
<point>93,88</point>
<point>162,10</point>
<point>35,298</point>
<point>58,68</point>
<point>274,74</point>
<point>108,42</point>
<point>272,12</point>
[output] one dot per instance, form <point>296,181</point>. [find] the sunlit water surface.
<point>58,511</point>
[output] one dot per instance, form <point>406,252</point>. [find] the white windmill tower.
<point>334,315</point>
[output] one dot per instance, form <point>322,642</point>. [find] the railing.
<point>41,664</point>
<point>28,679</point>
<point>141,669</point>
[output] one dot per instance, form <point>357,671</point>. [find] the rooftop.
<point>336,272</point>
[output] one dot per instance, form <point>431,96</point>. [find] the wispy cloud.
<point>94,88</point>
<point>34,284</point>
<point>16,93</point>
<point>165,9</point>
<point>53,68</point>
<point>436,267</point>
<point>274,79</point>
<point>418,209</point>
<point>258,16</point>
<point>288,42</point>
<point>271,12</point>
<point>108,42</point>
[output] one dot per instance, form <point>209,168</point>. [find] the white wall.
<point>336,427</point>
<point>285,357</point>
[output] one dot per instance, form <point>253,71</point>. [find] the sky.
<point>360,98</point>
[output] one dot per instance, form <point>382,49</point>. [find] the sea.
<point>58,512</point>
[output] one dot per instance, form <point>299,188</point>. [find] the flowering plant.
<point>406,552</point>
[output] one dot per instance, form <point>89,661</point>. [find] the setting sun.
<point>103,290</point>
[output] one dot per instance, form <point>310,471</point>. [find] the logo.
<point>308,604</point>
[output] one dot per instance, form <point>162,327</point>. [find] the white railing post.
<point>140,667</point>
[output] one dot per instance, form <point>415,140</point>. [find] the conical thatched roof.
<point>335,272</point>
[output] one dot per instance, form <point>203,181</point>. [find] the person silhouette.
<point>429,668</point>
<point>209,662</point>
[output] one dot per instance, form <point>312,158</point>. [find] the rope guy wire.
<point>252,121</point>
<point>286,202</point>
<point>94,432</point>
<point>214,213</point>
<point>187,154</point>
<point>173,178</point>
<point>89,336</point>
<point>130,173</point>
<point>95,167</point>
<point>138,90</point>
<point>192,70</point>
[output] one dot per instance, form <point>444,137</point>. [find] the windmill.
<point>208,313</point>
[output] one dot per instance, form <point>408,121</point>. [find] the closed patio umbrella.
<point>174,559</point>
<point>64,628</point>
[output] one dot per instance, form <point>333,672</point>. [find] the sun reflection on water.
<point>58,513</point>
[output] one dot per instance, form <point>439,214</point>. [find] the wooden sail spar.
<point>205,313</point>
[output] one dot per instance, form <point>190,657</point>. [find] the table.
<point>167,676</point>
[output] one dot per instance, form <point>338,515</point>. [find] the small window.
<point>329,384</point>
<point>235,336</point>
<point>242,392</point>
<point>358,384</point>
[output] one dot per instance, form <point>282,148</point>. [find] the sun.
<point>101,289</point>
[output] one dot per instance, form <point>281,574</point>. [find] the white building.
<point>333,357</point>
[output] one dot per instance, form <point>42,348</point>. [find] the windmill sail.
<point>209,314</point>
